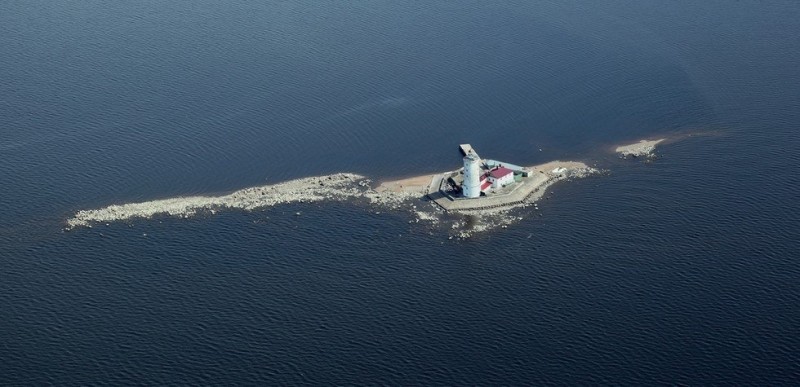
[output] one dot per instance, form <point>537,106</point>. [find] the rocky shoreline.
<point>409,194</point>
<point>338,186</point>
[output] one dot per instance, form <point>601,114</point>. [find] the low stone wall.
<point>517,196</point>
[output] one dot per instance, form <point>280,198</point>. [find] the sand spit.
<point>641,148</point>
<point>415,184</point>
<point>395,193</point>
<point>338,186</point>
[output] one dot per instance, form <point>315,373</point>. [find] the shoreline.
<point>391,194</point>
<point>309,189</point>
<point>638,149</point>
<point>526,191</point>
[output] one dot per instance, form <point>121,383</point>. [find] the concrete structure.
<point>480,186</point>
<point>501,177</point>
<point>481,175</point>
<point>494,163</point>
<point>485,183</point>
<point>527,190</point>
<point>467,149</point>
<point>471,187</point>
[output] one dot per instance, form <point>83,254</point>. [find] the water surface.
<point>679,271</point>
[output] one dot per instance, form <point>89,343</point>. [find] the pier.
<point>467,149</point>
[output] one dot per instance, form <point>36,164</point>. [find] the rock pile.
<point>338,186</point>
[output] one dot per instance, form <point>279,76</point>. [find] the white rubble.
<point>641,148</point>
<point>338,186</point>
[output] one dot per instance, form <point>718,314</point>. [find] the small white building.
<point>501,176</point>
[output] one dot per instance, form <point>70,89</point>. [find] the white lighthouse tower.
<point>472,180</point>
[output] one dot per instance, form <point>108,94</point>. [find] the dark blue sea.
<point>684,270</point>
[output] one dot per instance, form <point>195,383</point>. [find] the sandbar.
<point>409,184</point>
<point>641,148</point>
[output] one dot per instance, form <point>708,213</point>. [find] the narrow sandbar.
<point>409,184</point>
<point>641,148</point>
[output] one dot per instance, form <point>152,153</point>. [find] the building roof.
<point>500,172</point>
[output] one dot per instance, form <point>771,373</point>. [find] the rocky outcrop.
<point>311,189</point>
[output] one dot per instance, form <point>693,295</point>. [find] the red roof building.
<point>500,172</point>
<point>501,177</point>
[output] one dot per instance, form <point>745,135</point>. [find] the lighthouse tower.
<point>472,180</point>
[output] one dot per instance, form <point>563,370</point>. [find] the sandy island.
<point>641,148</point>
